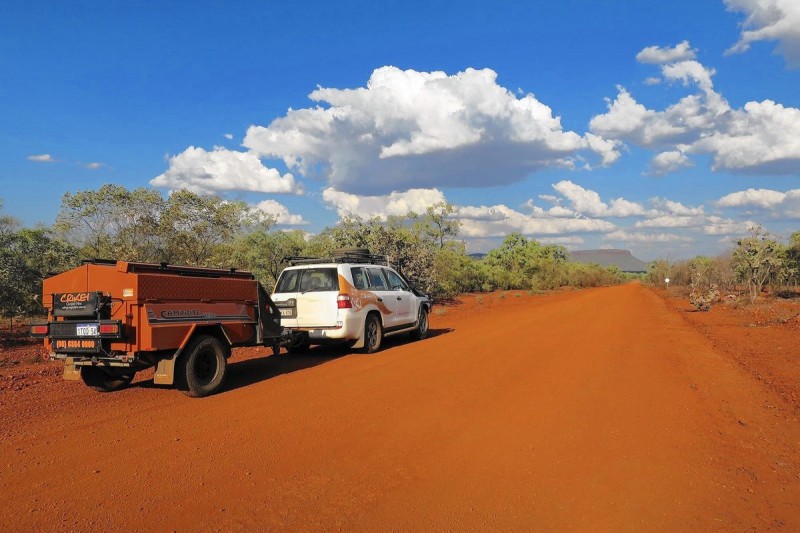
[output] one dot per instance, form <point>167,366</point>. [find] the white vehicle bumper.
<point>348,328</point>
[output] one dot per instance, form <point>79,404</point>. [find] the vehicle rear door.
<point>404,299</point>
<point>386,300</point>
<point>313,292</point>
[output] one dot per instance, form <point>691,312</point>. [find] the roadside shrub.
<point>583,275</point>
<point>759,260</point>
<point>703,298</point>
<point>704,289</point>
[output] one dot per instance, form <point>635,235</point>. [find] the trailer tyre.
<point>201,368</point>
<point>99,379</point>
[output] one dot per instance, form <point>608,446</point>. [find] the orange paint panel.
<point>361,298</point>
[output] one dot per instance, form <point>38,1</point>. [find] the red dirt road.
<point>597,410</point>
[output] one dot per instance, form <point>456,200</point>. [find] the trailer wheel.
<point>373,334</point>
<point>99,379</point>
<point>421,330</point>
<point>201,368</point>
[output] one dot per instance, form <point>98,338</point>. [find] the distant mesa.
<point>622,259</point>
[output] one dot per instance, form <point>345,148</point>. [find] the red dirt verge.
<point>608,409</point>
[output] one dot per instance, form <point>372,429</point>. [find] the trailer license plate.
<point>86,330</point>
<point>286,312</point>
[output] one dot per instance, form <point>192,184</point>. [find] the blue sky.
<point>662,127</point>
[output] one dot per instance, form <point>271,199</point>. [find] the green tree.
<point>198,229</point>
<point>7,222</point>
<point>658,271</point>
<point>522,263</point>
<point>112,222</point>
<point>28,256</point>
<point>262,252</point>
<point>793,258</point>
<point>437,224</point>
<point>759,260</point>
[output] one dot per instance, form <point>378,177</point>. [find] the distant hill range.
<point>622,259</point>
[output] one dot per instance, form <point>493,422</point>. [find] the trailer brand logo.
<point>75,304</point>
<point>75,297</point>
<point>184,313</point>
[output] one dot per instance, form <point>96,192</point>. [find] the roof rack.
<point>98,261</point>
<point>346,257</point>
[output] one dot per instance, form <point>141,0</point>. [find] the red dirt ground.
<point>610,409</point>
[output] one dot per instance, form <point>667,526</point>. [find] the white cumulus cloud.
<point>670,207</point>
<point>409,129</point>
<point>393,204</point>
<point>760,137</point>
<point>672,221</point>
<point>689,72</point>
<point>587,202</point>
<point>633,237</point>
<point>500,220</point>
<point>41,158</point>
<point>726,226</point>
<point>280,213</point>
<point>657,54</point>
<point>765,198</point>
<point>769,20</point>
<point>223,170</point>
<point>667,162</point>
<point>779,204</point>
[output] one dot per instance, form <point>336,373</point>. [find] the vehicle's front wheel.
<point>421,330</point>
<point>99,379</point>
<point>200,370</point>
<point>373,334</point>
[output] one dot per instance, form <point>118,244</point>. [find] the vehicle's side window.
<point>376,280</point>
<point>395,281</point>
<point>359,278</point>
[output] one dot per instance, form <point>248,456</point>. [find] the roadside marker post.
<point>666,280</point>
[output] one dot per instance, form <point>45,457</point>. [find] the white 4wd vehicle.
<point>353,298</point>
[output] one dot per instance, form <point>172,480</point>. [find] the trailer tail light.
<point>40,329</point>
<point>109,329</point>
<point>343,302</point>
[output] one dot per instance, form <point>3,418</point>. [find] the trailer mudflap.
<point>165,372</point>
<point>72,372</point>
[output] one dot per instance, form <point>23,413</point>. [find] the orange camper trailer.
<point>109,319</point>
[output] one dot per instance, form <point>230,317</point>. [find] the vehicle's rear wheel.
<point>300,343</point>
<point>373,334</point>
<point>103,380</point>
<point>200,370</point>
<point>421,330</point>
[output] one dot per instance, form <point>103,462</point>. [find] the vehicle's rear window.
<point>308,279</point>
<point>359,278</point>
